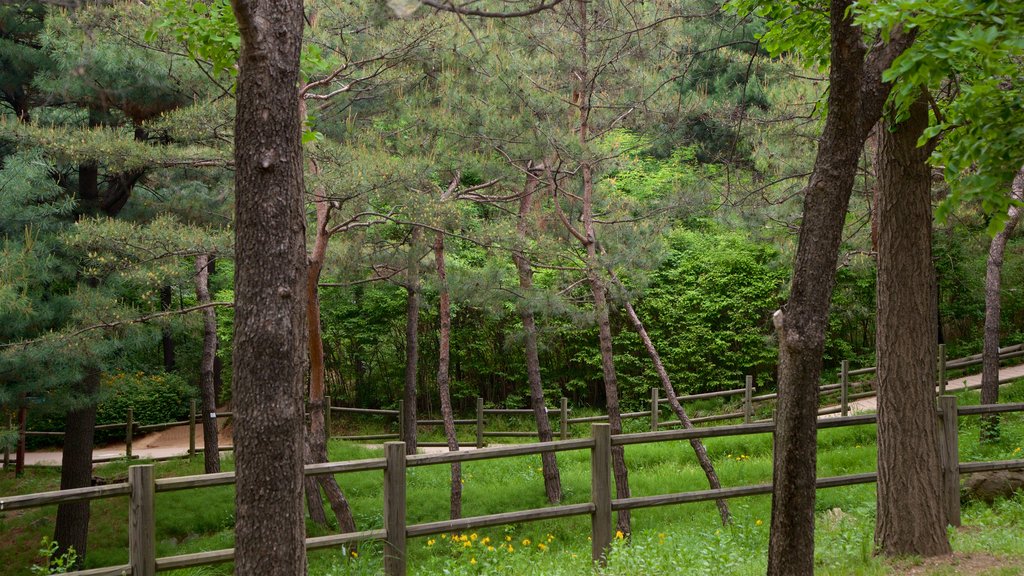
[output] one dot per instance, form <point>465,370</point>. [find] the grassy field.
<point>684,539</point>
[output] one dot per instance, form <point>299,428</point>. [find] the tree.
<point>910,519</point>
<point>211,454</point>
<point>270,291</point>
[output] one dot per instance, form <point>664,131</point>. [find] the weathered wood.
<point>460,422</point>
<point>654,409</point>
<point>197,481</point>
<point>705,395</point>
<point>972,467</point>
<point>861,371</point>
<point>844,395</point>
<point>368,410</point>
<point>563,410</point>
<point>401,418</point>
<point>394,509</point>
<point>129,424</point>
<point>347,466</point>
<point>192,428</point>
<point>195,559</point>
<point>949,457</point>
<point>748,404</point>
<point>113,426</point>
<point>328,421</point>
<point>710,432</point>
<point>600,492</point>
<point>842,421</point>
<point>369,437</point>
<point>160,426</point>
<point>508,434</point>
<point>508,411</point>
<point>990,408</point>
<point>498,452</point>
<point>462,524</point>
<point>63,496</point>
<point>142,521</point>
<point>833,410</point>
<point>941,373</point>
<point>479,422</point>
<point>320,542</point>
<point>120,570</point>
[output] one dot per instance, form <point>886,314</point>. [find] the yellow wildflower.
<point>355,554</point>
<point>758,523</point>
<point>619,535</point>
<point>472,560</point>
<point>467,544</point>
<point>508,538</point>
<point>430,542</point>
<point>486,540</point>
<point>542,547</point>
<point>490,548</point>
<point>473,536</point>
<point>526,541</point>
<point>510,548</point>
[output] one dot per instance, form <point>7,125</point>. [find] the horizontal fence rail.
<point>142,487</point>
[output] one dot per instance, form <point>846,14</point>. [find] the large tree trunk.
<point>211,454</point>
<point>166,337</point>
<point>910,519</point>
<point>412,323</point>
<point>855,99</point>
<point>270,292</point>
<point>993,311</point>
<point>443,358</point>
<point>670,392</point>
<point>317,435</point>
<point>549,461</point>
<point>71,529</point>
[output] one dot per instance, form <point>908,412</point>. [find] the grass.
<point>683,539</point>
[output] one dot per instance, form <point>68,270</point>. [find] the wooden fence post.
<point>328,422</point>
<point>844,387</point>
<point>564,417</point>
<point>748,403</point>
<point>141,521</point>
<point>601,491</point>
<point>479,422</point>
<point>192,429</point>
<point>654,409</point>
<point>394,509</point>
<point>401,420</point>
<point>942,369</point>
<point>949,449</point>
<point>130,423</point>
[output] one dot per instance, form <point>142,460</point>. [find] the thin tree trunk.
<point>993,312</point>
<point>19,456</point>
<point>670,392</point>
<point>71,529</point>
<point>167,338</point>
<point>270,292</point>
<point>211,454</point>
<point>910,519</point>
<point>444,340</point>
<point>317,435</point>
<point>855,100</point>
<point>549,461</point>
<point>412,322</point>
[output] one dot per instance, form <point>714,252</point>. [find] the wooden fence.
<point>142,487</point>
<point>847,389</point>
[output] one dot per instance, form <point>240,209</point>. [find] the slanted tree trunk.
<point>211,454</point>
<point>993,311</point>
<point>670,393</point>
<point>317,434</point>
<point>166,337</point>
<point>549,461</point>
<point>444,340</point>
<point>910,519</point>
<point>270,292</point>
<point>855,99</point>
<point>71,529</point>
<point>412,323</point>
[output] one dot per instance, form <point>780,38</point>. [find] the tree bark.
<point>910,519</point>
<point>444,343</point>
<point>549,461</point>
<point>71,529</point>
<point>412,322</point>
<point>317,435</point>
<point>211,454</point>
<point>270,292</point>
<point>855,100</point>
<point>167,338</point>
<point>993,311</point>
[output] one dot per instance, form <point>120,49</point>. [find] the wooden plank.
<point>195,559</point>
<point>844,383</point>
<point>710,432</point>
<point>111,426</point>
<point>328,422</point>
<point>161,426</point>
<point>462,524</point>
<point>347,466</point>
<point>479,422</point>
<point>990,408</point>
<point>196,481</point>
<point>563,417</point>
<point>367,437</point>
<point>601,492</point>
<point>394,509</point>
<point>833,410</point>
<point>320,542</point>
<point>498,452</point>
<point>705,395</point>
<point>972,467</point>
<point>748,404</point>
<point>508,411</point>
<point>654,409</point>
<point>842,421</point>
<point>588,419</point>
<point>460,422</point>
<point>508,434</point>
<point>949,456</point>
<point>860,371</point>
<point>63,496</point>
<point>701,419</point>
<point>364,411</point>
<point>141,521</point>
<point>122,570</point>
<point>941,375</point>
